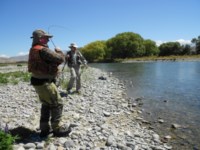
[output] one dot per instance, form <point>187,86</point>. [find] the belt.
<point>36,81</point>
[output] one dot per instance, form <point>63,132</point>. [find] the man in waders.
<point>43,64</point>
<point>74,59</point>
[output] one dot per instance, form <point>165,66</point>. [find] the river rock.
<point>175,126</point>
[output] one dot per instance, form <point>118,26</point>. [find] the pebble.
<point>101,112</point>
<point>175,126</point>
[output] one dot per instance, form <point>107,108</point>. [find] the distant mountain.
<point>4,60</point>
<point>20,58</point>
<point>15,59</point>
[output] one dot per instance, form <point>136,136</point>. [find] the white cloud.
<point>181,41</point>
<point>184,42</point>
<point>5,56</point>
<point>19,54</point>
<point>22,53</point>
<point>159,42</point>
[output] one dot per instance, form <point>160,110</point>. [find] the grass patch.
<point>3,65</point>
<point>14,77</point>
<point>63,83</point>
<point>61,79</point>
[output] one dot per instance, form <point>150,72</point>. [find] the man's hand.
<point>58,50</point>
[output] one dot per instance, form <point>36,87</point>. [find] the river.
<point>170,91</point>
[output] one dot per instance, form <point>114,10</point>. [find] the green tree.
<point>196,41</point>
<point>170,48</point>
<point>186,49</point>
<point>126,45</point>
<point>150,48</point>
<point>94,51</point>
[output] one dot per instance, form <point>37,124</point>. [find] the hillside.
<point>14,59</point>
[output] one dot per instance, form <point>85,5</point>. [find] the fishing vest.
<point>73,61</point>
<point>38,66</point>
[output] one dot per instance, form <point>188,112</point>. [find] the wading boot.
<point>64,131</point>
<point>61,132</point>
<point>44,133</point>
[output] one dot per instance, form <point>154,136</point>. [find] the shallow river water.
<point>170,91</point>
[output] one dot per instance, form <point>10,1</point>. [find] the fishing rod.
<point>51,38</point>
<point>51,26</point>
<point>52,42</point>
<point>55,26</point>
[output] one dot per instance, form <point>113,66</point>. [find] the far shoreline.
<point>128,60</point>
<point>160,59</point>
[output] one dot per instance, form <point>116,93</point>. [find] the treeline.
<point>132,45</point>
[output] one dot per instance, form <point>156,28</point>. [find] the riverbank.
<point>105,117</point>
<point>161,58</point>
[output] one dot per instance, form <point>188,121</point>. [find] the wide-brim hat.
<point>40,33</point>
<point>73,45</point>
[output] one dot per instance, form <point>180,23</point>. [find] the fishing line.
<point>55,26</point>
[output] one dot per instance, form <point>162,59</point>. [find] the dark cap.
<point>40,33</point>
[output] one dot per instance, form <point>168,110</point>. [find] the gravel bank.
<point>105,117</point>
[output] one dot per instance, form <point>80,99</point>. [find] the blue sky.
<point>85,21</point>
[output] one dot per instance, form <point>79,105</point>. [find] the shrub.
<point>6,141</point>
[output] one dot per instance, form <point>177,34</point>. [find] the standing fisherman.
<point>74,59</point>
<point>43,64</point>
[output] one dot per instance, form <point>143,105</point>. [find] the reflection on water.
<point>170,91</point>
